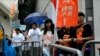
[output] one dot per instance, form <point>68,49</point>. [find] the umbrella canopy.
<point>35,17</point>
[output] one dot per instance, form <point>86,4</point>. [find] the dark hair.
<point>81,14</point>
<point>51,27</point>
<point>17,29</point>
<point>34,23</point>
<point>64,30</point>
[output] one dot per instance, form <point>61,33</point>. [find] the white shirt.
<point>51,39</point>
<point>48,37</point>
<point>34,35</point>
<point>18,38</point>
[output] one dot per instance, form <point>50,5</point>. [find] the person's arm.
<point>41,36</point>
<point>63,41</point>
<point>23,38</point>
<point>40,32</point>
<point>81,40</point>
<point>67,40</point>
<point>55,36</point>
<point>29,35</point>
<point>13,38</point>
<point>88,33</point>
<point>88,38</point>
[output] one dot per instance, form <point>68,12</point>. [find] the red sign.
<point>67,13</point>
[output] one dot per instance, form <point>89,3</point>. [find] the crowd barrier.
<point>28,48</point>
<point>74,52</point>
<point>93,42</point>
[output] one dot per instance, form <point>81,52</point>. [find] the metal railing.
<point>28,48</point>
<point>67,49</point>
<point>90,42</point>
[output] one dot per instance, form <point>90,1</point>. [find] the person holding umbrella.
<point>36,17</point>
<point>34,35</point>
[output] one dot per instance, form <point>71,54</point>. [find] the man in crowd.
<point>83,33</point>
<point>17,37</point>
<point>34,35</point>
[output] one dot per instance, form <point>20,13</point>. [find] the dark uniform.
<point>84,32</point>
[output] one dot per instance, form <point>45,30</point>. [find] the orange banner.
<point>67,13</point>
<point>12,10</point>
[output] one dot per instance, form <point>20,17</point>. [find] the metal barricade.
<point>67,49</point>
<point>28,48</point>
<point>90,42</point>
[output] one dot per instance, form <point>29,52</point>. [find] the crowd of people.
<point>74,37</point>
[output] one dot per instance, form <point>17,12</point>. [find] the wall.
<point>97,22</point>
<point>81,5</point>
<point>6,22</point>
<point>8,3</point>
<point>6,25</point>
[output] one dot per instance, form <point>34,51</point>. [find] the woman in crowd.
<point>48,36</point>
